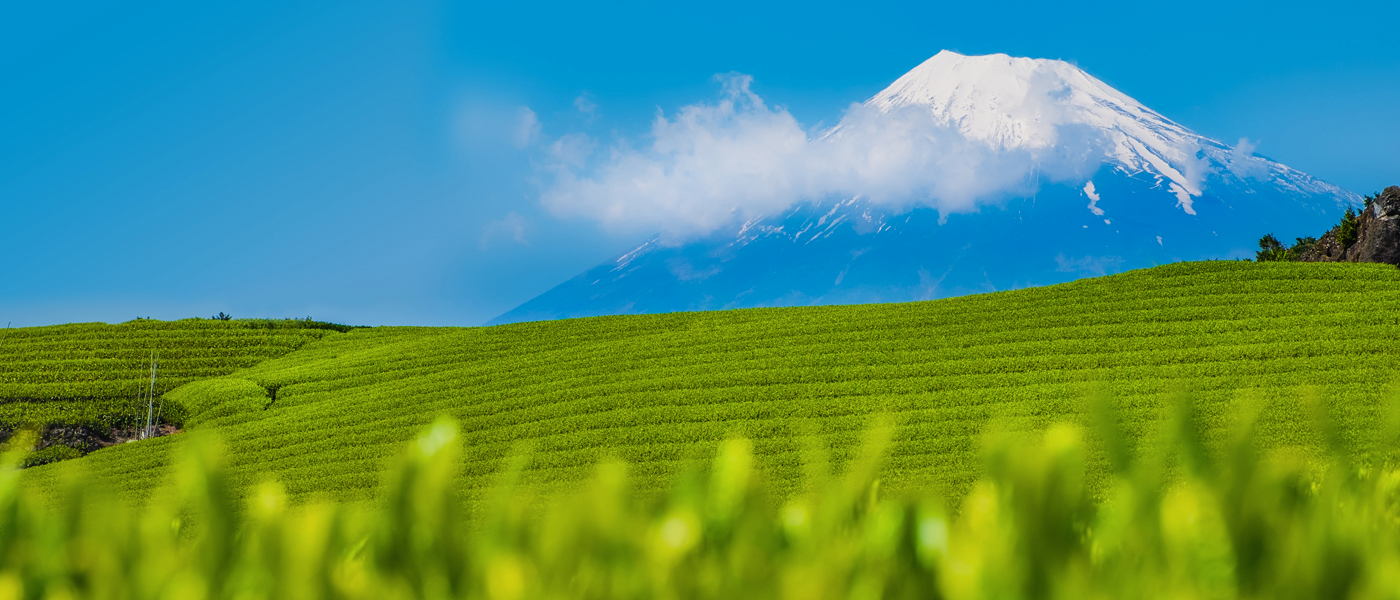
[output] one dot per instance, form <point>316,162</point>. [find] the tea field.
<point>96,375</point>
<point>662,392</point>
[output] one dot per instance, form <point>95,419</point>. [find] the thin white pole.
<point>150,397</point>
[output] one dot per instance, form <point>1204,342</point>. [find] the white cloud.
<point>684,271</point>
<point>527,127</point>
<point>1243,162</point>
<point>1090,266</point>
<point>586,106</point>
<point>709,164</point>
<point>1196,169</point>
<point>1244,148</point>
<point>487,122</point>
<point>702,166</point>
<point>1093,199</point>
<point>512,226</point>
<point>571,151</point>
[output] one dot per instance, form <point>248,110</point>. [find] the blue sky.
<point>359,162</point>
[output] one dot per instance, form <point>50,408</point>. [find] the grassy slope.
<point>659,390</point>
<point>93,373</point>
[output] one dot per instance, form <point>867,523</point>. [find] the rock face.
<point>1327,249</point>
<point>1377,239</point>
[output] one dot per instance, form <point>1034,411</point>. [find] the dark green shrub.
<point>1270,249</point>
<point>307,323</point>
<point>1349,229</point>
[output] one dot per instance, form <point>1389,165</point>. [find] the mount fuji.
<point>1112,186</point>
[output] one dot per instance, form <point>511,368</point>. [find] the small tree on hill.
<point>1303,244</point>
<point>1270,249</point>
<point>1349,229</point>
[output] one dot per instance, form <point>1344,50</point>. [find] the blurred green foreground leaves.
<point>1178,519</point>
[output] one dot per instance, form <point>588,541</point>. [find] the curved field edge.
<point>83,386</point>
<point>662,391</point>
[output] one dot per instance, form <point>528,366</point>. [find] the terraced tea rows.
<point>661,390</point>
<point>92,374</point>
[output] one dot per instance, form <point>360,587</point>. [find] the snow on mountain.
<point>1012,103</point>
<point>1162,193</point>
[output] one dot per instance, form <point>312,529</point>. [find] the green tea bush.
<point>50,454</point>
<point>1180,519</point>
<point>214,398</point>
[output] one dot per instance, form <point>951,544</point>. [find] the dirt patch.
<point>122,436</point>
<point>83,439</point>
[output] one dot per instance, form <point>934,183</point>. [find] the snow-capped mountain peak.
<point>1162,193</point>
<point>1026,103</point>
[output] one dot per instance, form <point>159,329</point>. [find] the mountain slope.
<point>1114,186</point>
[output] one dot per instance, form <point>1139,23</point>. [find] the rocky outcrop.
<point>77,440</point>
<point>1377,240</point>
<point>1327,249</point>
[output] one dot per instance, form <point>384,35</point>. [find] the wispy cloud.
<point>1090,266</point>
<point>512,226</point>
<point>738,158</point>
<point>571,151</point>
<point>586,106</point>
<point>527,127</point>
<point>1093,199</point>
<point>1243,162</point>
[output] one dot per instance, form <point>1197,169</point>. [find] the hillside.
<point>82,383</point>
<point>660,390</point>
